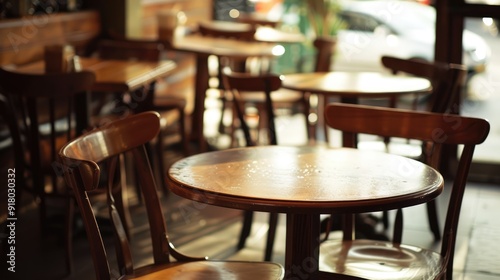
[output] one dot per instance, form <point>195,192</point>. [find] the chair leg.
<point>184,137</point>
<point>307,110</point>
<point>42,212</point>
<point>433,219</point>
<point>385,219</point>
<point>224,105</point>
<point>271,234</point>
<point>121,199</point>
<point>397,235</point>
<point>68,235</point>
<point>246,228</point>
<point>161,163</point>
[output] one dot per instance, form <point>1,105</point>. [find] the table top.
<point>356,84</point>
<point>262,33</point>
<point>304,179</point>
<point>226,47</point>
<point>115,75</point>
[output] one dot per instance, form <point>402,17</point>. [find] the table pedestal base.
<point>302,245</point>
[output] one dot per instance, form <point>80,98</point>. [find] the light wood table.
<point>351,86</point>
<point>304,182</point>
<point>111,76</point>
<point>354,85</point>
<point>115,75</point>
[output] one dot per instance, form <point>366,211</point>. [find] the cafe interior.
<point>213,139</point>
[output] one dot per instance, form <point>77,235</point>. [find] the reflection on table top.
<point>304,179</point>
<point>356,84</point>
<point>115,75</point>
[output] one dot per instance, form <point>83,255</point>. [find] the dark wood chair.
<point>447,80</point>
<point>392,259</point>
<point>171,108</point>
<point>245,34</point>
<point>256,20</point>
<point>252,93</point>
<point>266,88</point>
<point>243,64</point>
<point>16,176</point>
<point>44,116</point>
<point>81,157</point>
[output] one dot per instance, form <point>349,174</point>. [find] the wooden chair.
<point>208,29</point>
<point>171,108</point>
<point>81,157</point>
<point>447,80</point>
<point>252,91</point>
<point>44,117</point>
<point>244,34</point>
<point>266,88</point>
<point>244,87</point>
<point>245,64</point>
<point>236,84</point>
<point>393,260</point>
<point>7,118</point>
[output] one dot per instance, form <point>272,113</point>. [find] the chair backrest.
<point>125,49</point>
<point>244,34</point>
<point>436,128</point>
<point>81,158</point>
<point>247,34</point>
<point>255,19</point>
<point>237,83</point>
<point>446,79</point>
<point>45,114</point>
<point>7,117</point>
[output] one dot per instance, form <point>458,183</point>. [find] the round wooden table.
<point>304,182</point>
<point>356,84</point>
<point>350,86</point>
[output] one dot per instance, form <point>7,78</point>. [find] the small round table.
<point>356,84</point>
<point>350,86</point>
<point>304,182</point>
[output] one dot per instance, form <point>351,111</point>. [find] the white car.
<point>403,29</point>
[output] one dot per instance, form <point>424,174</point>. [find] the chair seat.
<point>211,270</point>
<point>364,257</point>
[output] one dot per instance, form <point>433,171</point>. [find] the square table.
<point>111,76</point>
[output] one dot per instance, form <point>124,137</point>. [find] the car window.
<point>358,22</point>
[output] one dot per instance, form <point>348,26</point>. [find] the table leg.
<point>346,138</point>
<point>201,86</point>
<point>302,246</point>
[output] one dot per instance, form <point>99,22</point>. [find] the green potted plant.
<point>320,22</point>
<point>323,17</point>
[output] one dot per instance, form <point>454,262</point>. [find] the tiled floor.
<point>207,230</point>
